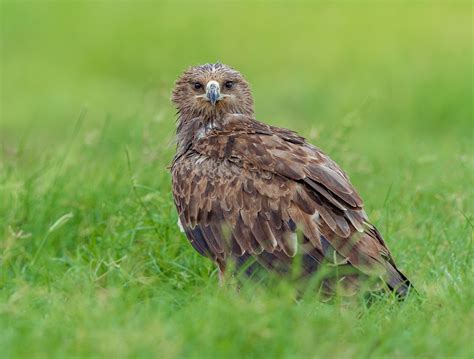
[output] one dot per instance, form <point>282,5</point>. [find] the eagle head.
<point>212,90</point>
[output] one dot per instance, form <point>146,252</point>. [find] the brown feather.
<point>243,188</point>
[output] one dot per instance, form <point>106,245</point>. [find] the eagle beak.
<point>213,92</point>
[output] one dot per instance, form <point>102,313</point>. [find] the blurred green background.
<point>92,262</point>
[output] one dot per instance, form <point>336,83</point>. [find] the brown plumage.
<point>247,191</point>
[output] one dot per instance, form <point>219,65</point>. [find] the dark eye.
<point>229,84</point>
<point>197,85</point>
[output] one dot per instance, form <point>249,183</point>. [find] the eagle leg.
<point>221,268</point>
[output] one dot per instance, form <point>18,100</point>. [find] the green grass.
<point>92,263</point>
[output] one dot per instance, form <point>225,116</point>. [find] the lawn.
<point>92,263</point>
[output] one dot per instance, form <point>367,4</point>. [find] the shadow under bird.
<point>251,196</point>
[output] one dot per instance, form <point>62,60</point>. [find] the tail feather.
<point>398,282</point>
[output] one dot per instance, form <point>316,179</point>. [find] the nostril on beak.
<point>213,92</point>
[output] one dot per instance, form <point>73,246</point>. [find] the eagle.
<point>251,196</point>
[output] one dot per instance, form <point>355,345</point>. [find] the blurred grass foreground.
<point>92,263</point>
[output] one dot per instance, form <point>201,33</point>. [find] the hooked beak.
<point>213,92</point>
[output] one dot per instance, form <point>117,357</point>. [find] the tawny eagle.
<point>256,195</point>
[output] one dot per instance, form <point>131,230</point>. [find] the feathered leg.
<point>221,268</point>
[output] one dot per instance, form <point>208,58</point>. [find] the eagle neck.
<point>190,128</point>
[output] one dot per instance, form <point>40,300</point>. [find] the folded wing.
<point>249,188</point>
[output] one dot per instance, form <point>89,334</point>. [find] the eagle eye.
<point>229,84</point>
<point>197,85</point>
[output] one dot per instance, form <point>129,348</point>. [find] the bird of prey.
<point>260,196</point>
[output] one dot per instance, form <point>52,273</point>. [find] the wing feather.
<point>256,186</point>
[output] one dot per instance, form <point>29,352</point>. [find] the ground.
<point>92,261</point>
